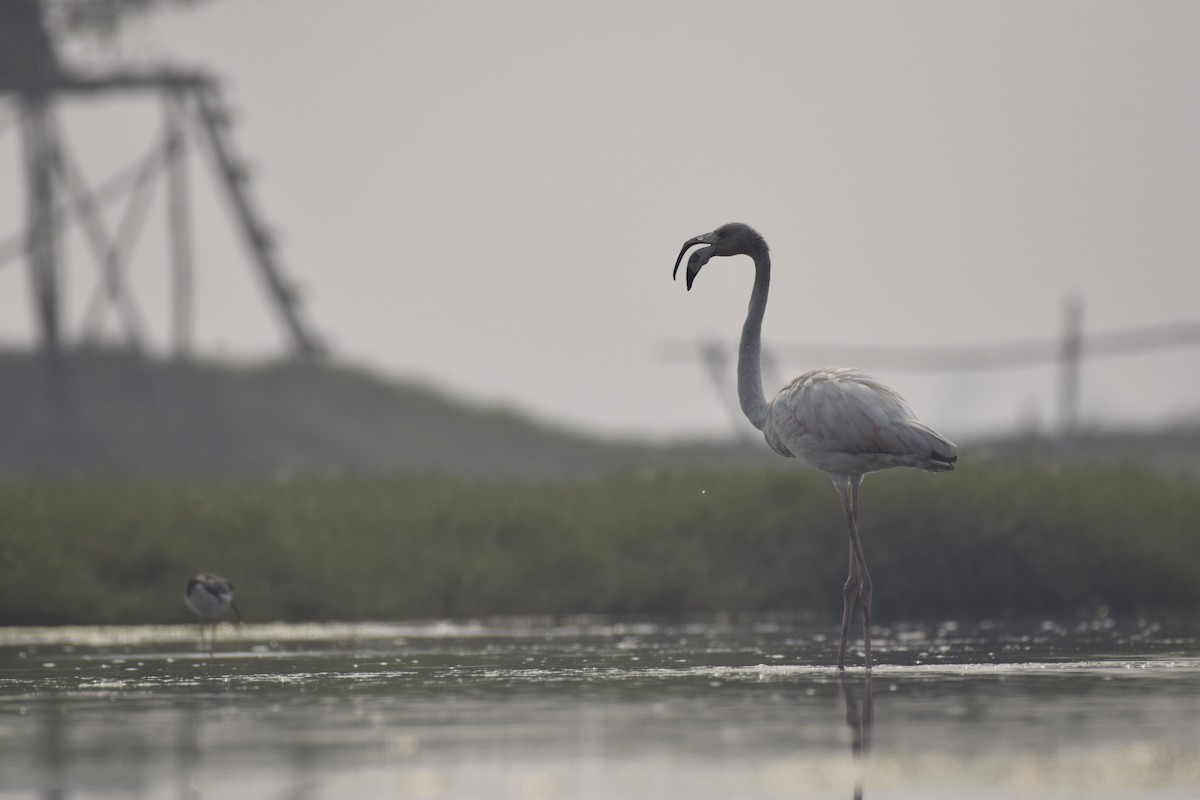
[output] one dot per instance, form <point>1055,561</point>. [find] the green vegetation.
<point>987,540</point>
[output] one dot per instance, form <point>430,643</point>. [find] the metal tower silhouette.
<point>32,74</point>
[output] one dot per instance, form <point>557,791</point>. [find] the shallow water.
<point>586,708</point>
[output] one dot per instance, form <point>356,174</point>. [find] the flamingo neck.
<point>750,387</point>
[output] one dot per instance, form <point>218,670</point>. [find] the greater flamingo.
<point>840,421</point>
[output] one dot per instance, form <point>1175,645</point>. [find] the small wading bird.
<point>208,595</point>
<point>841,421</point>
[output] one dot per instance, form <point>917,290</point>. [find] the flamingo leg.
<point>849,595</point>
<point>858,583</point>
<point>864,591</point>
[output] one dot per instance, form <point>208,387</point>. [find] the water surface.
<point>593,709</point>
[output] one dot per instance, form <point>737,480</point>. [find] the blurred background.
<point>488,199</point>
<point>265,239</point>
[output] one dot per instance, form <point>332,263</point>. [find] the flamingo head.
<point>731,239</point>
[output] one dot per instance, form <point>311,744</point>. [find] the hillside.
<point>112,412</point>
<point>117,413</point>
<point>1171,451</point>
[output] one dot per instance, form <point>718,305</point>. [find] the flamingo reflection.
<point>860,717</point>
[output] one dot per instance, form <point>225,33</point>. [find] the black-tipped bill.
<point>698,259</point>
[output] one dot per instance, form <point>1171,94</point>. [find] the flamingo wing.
<point>844,421</point>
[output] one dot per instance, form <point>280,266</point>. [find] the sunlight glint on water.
<point>591,708</point>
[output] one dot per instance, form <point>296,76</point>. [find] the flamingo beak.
<point>698,259</point>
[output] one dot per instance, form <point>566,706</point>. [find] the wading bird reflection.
<point>208,596</point>
<point>860,718</point>
<point>841,421</point>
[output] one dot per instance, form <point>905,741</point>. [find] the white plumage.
<point>844,421</point>
<point>839,420</point>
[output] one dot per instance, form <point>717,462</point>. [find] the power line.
<point>956,358</point>
<point>1067,352</point>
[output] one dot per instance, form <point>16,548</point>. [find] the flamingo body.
<point>844,422</point>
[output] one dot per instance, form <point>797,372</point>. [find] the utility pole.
<point>42,239</point>
<point>56,192</point>
<point>1070,363</point>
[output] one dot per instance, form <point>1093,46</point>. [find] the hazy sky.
<point>491,196</point>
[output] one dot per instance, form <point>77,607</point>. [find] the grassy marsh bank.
<point>988,540</point>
